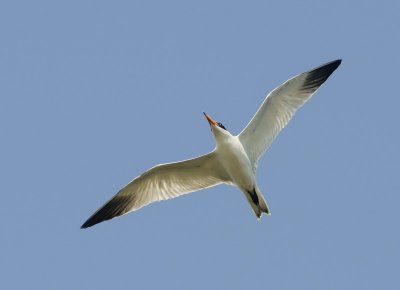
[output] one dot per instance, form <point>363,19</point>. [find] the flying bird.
<point>234,159</point>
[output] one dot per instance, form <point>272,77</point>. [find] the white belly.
<point>236,163</point>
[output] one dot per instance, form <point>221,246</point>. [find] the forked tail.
<point>257,202</point>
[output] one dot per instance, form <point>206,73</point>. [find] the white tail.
<point>262,203</point>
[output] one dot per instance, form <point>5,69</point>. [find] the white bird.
<point>233,161</point>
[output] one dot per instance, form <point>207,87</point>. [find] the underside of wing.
<point>279,107</point>
<point>161,182</point>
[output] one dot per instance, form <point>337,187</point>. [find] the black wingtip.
<point>328,67</point>
<point>317,76</point>
<point>84,226</point>
<point>333,65</point>
<point>115,207</point>
<point>87,224</point>
<point>336,62</point>
<point>93,220</point>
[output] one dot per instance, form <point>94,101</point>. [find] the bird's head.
<point>217,128</point>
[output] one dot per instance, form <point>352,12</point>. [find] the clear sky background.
<point>92,93</point>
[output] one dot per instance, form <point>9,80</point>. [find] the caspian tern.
<point>233,161</point>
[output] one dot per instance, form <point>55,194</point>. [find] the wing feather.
<point>279,107</point>
<point>161,182</point>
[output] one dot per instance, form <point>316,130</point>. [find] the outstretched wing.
<point>279,107</point>
<point>161,182</point>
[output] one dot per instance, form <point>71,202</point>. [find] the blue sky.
<point>95,92</point>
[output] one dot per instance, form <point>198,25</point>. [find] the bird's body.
<point>233,161</point>
<point>238,170</point>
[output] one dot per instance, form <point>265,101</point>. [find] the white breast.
<point>236,163</point>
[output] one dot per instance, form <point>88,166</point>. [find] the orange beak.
<point>210,120</point>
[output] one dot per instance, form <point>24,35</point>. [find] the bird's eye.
<point>221,126</point>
